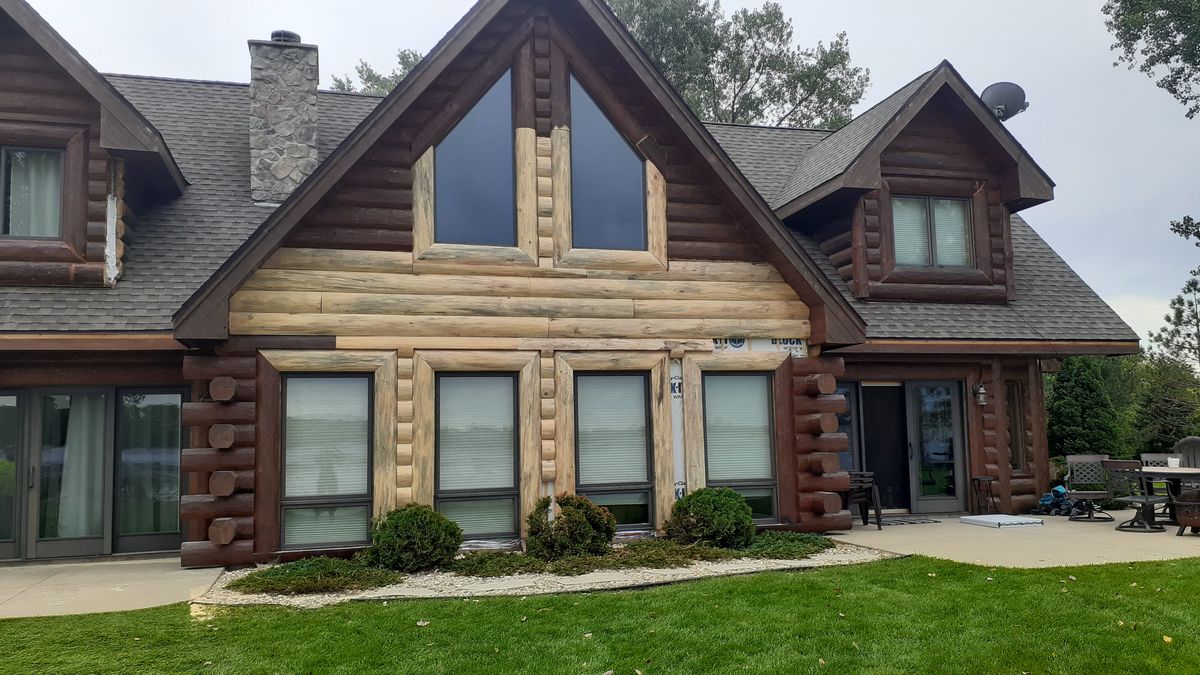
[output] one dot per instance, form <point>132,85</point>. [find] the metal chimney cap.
<point>284,36</point>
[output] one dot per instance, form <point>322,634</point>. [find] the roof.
<point>1050,303</point>
<point>767,156</point>
<point>178,245</point>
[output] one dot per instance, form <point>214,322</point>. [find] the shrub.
<point>413,538</point>
<point>717,516</point>
<point>495,564</point>
<point>787,545</point>
<point>581,528</point>
<point>315,575</point>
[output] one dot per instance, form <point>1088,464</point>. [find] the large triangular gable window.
<point>467,187</point>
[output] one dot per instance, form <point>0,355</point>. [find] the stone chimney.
<point>283,115</point>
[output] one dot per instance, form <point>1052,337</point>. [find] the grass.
<point>315,575</point>
<point>905,615</point>
<point>645,553</point>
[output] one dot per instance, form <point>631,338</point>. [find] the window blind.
<point>910,230</point>
<point>322,525</point>
<point>611,429</point>
<point>737,418</point>
<point>476,424</point>
<point>951,229</point>
<point>326,436</point>
<point>481,516</point>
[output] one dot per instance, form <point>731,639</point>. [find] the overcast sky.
<point>1121,151</point>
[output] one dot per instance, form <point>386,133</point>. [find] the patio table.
<point>1175,475</point>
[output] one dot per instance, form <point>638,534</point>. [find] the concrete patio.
<point>103,586</point>
<point>1059,542</point>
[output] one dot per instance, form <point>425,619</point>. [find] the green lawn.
<point>906,615</point>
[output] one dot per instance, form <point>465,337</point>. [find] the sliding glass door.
<point>89,471</point>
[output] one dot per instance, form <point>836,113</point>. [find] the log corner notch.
<point>811,479</point>
<point>218,509</point>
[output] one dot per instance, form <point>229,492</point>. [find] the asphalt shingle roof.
<point>176,246</point>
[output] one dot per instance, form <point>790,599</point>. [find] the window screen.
<point>326,460</point>
<point>477,452</point>
<point>608,192</point>
<point>612,432</point>
<point>738,437</point>
<point>474,183</point>
<point>31,188</point>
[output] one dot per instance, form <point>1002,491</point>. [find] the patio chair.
<point>865,493</point>
<point>1128,484</point>
<point>1189,447</point>
<point>1086,484</point>
<point>1160,488</point>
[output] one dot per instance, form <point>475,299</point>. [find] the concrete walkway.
<point>1059,542</point>
<point>107,586</point>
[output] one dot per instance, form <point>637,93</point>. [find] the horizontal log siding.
<point>36,89</point>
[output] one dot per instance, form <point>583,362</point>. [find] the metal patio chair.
<point>1189,447</point>
<point>1086,483</point>
<point>1160,488</point>
<point>1128,484</point>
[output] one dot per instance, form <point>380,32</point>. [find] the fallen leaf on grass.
<point>587,636</point>
<point>1168,639</point>
<point>422,623</point>
<point>933,574</point>
<point>821,661</point>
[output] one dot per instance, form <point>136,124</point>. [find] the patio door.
<point>935,446</point>
<point>12,467</point>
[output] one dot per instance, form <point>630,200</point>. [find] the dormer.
<point>76,161</point>
<point>912,200</point>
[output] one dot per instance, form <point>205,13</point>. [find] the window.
<point>326,460</point>
<point>474,174</point>
<point>476,453</point>
<point>608,190</point>
<point>10,440</point>
<point>931,231</point>
<point>848,424</point>
<point>149,436</point>
<point>31,188</point>
<point>1016,424</point>
<point>612,437</point>
<point>738,438</point>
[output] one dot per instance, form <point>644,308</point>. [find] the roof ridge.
<point>767,126</point>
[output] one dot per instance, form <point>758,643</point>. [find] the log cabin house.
<point>241,320</point>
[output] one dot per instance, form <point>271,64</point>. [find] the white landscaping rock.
<point>450,585</point>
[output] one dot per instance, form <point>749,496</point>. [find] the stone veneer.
<point>283,117</point>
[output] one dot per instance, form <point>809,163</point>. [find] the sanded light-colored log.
<point>525,147</point>
<point>334,361</point>
<point>423,202</point>
<point>407,344</point>
<point>478,361</point>
<point>403,389</point>
<point>404,409</point>
<point>468,254</point>
<point>531,441</point>
<point>547,387</point>
<point>711,328</point>
<point>548,406</point>
<point>590,258</point>
<point>404,451</point>
<point>695,471</point>
<point>242,323</point>
<point>719,309</point>
<point>723,360</point>
<point>466,305</point>
<point>663,452</point>
<point>404,475</point>
<point>384,451</point>
<point>332,259</point>
<point>295,302</point>
<point>422,416</point>
<point>546,429</point>
<point>404,496</point>
<point>656,213</point>
<point>563,389</point>
<point>548,449</point>
<point>612,360</point>
<point>547,470</point>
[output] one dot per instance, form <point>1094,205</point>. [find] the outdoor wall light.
<point>981,394</point>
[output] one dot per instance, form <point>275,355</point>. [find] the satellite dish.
<point>1005,99</point>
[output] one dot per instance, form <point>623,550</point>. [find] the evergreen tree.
<point>1166,403</point>
<point>1082,419</point>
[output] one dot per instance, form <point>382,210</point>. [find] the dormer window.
<point>31,187</point>
<point>932,231</point>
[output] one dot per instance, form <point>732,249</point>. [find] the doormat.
<point>1000,520</point>
<point>908,520</point>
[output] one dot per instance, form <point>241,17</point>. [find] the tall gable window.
<point>474,174</point>
<point>608,191</point>
<point>31,189</point>
<point>932,231</point>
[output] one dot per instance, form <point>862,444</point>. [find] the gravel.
<point>448,585</point>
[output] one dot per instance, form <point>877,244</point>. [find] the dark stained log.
<point>372,197</point>
<point>204,413</point>
<point>1023,503</point>
<point>817,383</point>
<point>208,367</point>
<point>230,435</point>
<point>822,443</point>
<point>820,502</point>
<point>223,531</point>
<point>817,423</point>
<point>352,239</point>
<point>224,483</point>
<point>823,462</point>
<point>52,273</point>
<point>829,482</point>
<point>208,554</point>
<point>211,506</point>
<point>249,345</point>
<point>939,293</point>
<point>360,218</point>
<point>226,389</point>
<point>201,460</point>
<point>703,232</point>
<point>813,522</point>
<point>708,250</point>
<point>833,403</point>
<point>833,365</point>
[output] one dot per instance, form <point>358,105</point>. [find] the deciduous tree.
<point>1162,39</point>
